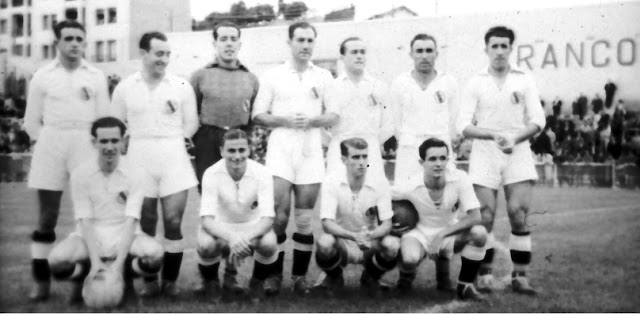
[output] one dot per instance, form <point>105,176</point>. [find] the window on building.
<point>3,26</point>
<point>99,17</point>
<point>17,50</point>
<point>54,51</point>
<point>17,3</point>
<point>29,24</point>
<point>28,3</point>
<point>4,4</point>
<point>54,20</point>
<point>111,50</point>
<point>71,14</point>
<point>99,51</point>
<point>113,18</point>
<point>29,50</point>
<point>18,25</point>
<point>45,52</point>
<point>84,16</point>
<point>45,22</point>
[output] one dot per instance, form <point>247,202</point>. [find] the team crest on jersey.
<point>440,97</point>
<point>122,197</point>
<point>372,212</point>
<point>374,102</point>
<point>86,93</point>
<point>516,97</point>
<point>254,205</point>
<point>455,207</point>
<point>171,106</point>
<point>314,92</point>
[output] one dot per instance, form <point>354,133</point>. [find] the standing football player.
<point>107,195</point>
<point>225,91</point>
<point>356,218</point>
<point>237,214</point>
<point>424,106</point>
<point>449,222</point>
<point>291,100</point>
<point>362,105</point>
<point>160,109</point>
<point>504,102</point>
<point>64,98</point>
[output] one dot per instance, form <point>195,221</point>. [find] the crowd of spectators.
<point>13,138</point>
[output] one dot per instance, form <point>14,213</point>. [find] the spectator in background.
<point>557,107</point>
<point>609,90</point>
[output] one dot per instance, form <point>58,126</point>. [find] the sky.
<point>367,8</point>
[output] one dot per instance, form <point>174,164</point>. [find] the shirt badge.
<point>372,212</point>
<point>374,101</point>
<point>86,93</point>
<point>254,205</point>
<point>440,97</point>
<point>171,107</point>
<point>122,197</point>
<point>315,93</point>
<point>516,97</point>
<point>246,105</point>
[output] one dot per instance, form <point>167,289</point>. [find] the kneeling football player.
<point>356,218</point>
<point>107,199</point>
<point>449,221</point>
<point>237,215</point>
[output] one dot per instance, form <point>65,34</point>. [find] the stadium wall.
<point>569,50</point>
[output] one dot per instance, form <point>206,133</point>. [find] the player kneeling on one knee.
<point>107,199</point>
<point>449,221</point>
<point>356,218</point>
<point>237,213</point>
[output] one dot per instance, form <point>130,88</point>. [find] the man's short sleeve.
<point>467,195</point>
<point>533,108</point>
<point>328,200</point>
<point>265,96</point>
<point>265,193</point>
<point>467,106</point>
<point>209,201</point>
<point>139,181</point>
<point>384,203</point>
<point>82,206</point>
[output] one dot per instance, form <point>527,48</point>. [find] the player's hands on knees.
<point>240,246</point>
<point>363,240</point>
<point>433,251</point>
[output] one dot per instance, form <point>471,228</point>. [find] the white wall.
<point>600,29</point>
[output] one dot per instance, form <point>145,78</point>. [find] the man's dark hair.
<point>343,45</point>
<point>57,29</point>
<point>500,31</point>
<point>107,122</point>
<point>235,134</point>
<point>423,37</point>
<point>431,143</point>
<point>355,142</point>
<point>225,24</point>
<point>145,40</point>
<point>294,26</point>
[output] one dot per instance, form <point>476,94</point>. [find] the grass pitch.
<point>586,248</point>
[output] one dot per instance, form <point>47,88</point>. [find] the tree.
<point>295,10</point>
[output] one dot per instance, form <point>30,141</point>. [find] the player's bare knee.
<point>517,217</point>
<point>153,252</point>
<point>267,244</point>
<point>280,222</point>
<point>478,235</point>
<point>410,258</point>
<point>172,227</point>
<point>325,244</point>
<point>390,246</point>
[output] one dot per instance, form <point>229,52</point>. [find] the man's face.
<point>302,43</point>
<point>109,143</point>
<point>72,43</point>
<point>355,56</point>
<point>424,55</point>
<point>435,161</point>
<point>157,58</point>
<point>356,162</point>
<point>498,49</point>
<point>235,153</point>
<point>228,44</point>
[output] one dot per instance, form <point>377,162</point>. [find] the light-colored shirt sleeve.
<point>454,107</point>
<point>35,107</point>
<point>467,105</point>
<point>332,97</point>
<point>384,203</point>
<point>395,97</point>
<point>118,102</point>
<point>189,110</point>
<point>82,206</point>
<point>266,204</point>
<point>328,201</point>
<point>140,180</point>
<point>468,199</point>
<point>265,96</point>
<point>102,97</point>
<point>209,205</point>
<point>533,111</point>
